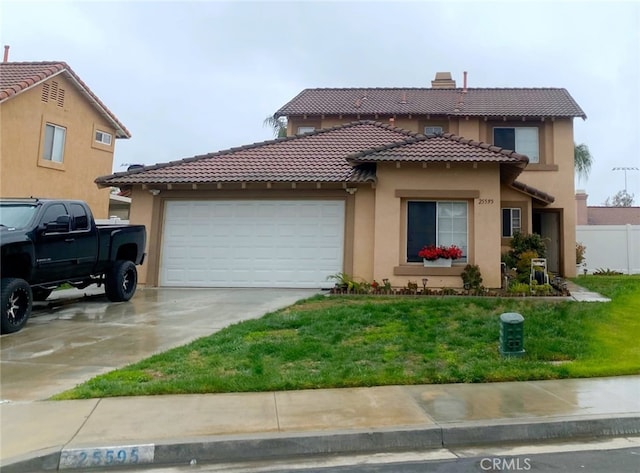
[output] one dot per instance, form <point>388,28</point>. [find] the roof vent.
<point>443,80</point>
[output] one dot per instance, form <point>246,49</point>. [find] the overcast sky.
<point>190,78</point>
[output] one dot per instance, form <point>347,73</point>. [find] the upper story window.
<point>523,140</point>
<point>103,137</point>
<point>54,137</point>
<point>436,223</point>
<point>306,129</point>
<point>432,130</point>
<point>511,222</point>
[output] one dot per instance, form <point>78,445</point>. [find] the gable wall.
<point>553,175</point>
<point>24,173</point>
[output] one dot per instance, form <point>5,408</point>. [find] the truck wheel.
<point>16,304</point>
<point>121,281</point>
<point>40,293</point>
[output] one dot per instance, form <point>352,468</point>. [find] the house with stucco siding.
<point>56,135</point>
<point>364,179</point>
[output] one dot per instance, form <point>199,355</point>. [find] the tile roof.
<point>507,102</point>
<point>17,77</point>
<point>312,157</point>
<point>340,154</point>
<point>541,196</point>
<point>436,148</point>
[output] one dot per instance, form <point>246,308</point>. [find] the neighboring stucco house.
<point>56,135</point>
<point>371,176</point>
<point>602,215</point>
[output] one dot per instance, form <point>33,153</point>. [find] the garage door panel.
<point>252,243</point>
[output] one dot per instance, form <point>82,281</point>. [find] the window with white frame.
<point>54,137</point>
<point>436,223</point>
<point>511,222</point>
<point>306,129</point>
<point>103,137</point>
<point>432,130</point>
<point>523,140</point>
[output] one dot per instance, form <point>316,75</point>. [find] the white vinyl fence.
<point>615,247</point>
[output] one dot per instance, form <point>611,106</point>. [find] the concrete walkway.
<point>49,435</point>
<point>580,294</point>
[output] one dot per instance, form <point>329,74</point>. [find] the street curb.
<point>270,447</point>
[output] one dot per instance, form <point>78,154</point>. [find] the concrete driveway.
<point>72,337</point>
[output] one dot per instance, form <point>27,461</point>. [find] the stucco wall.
<point>479,187</point>
<point>24,173</point>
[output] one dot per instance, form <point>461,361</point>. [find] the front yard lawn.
<point>342,341</point>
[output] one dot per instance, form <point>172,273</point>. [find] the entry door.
<point>547,225</point>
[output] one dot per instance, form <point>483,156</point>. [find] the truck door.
<point>86,240</point>
<point>55,246</point>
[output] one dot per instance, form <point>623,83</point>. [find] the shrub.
<point>519,288</point>
<point>523,266</point>
<point>471,276</point>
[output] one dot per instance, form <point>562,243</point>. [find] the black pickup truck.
<point>46,243</point>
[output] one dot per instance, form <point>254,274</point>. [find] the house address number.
<point>485,201</point>
<point>113,456</point>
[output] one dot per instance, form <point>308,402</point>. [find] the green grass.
<point>326,342</point>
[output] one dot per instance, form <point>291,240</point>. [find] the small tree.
<point>582,160</point>
<point>279,126</point>
<point>621,199</point>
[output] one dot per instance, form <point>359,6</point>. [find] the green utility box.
<point>511,334</point>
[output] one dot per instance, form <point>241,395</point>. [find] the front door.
<point>547,225</point>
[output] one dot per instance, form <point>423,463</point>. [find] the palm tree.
<point>279,125</point>
<point>582,160</point>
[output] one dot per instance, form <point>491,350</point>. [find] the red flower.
<point>432,252</point>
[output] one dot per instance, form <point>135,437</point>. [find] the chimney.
<point>6,53</point>
<point>443,80</point>
<point>582,214</point>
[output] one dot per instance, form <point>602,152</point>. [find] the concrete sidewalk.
<point>49,435</point>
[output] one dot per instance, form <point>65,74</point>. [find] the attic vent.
<point>45,92</point>
<point>60,97</point>
<point>54,91</point>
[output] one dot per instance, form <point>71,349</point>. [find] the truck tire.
<point>40,293</point>
<point>121,281</point>
<point>16,302</point>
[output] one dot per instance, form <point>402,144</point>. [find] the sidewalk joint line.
<point>82,425</point>
<point>275,403</point>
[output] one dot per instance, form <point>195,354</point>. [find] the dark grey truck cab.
<point>46,243</point>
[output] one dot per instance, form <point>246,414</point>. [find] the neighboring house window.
<point>435,223</point>
<point>103,137</point>
<point>54,143</point>
<point>306,129</point>
<point>80,218</point>
<point>511,222</point>
<point>523,140</point>
<point>432,130</point>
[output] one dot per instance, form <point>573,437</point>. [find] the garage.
<point>252,243</point>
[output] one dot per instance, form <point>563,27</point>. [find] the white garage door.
<point>252,243</point>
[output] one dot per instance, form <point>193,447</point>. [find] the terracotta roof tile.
<point>17,77</point>
<point>313,157</point>
<point>436,148</point>
<point>507,102</point>
<point>345,153</point>
<point>531,191</point>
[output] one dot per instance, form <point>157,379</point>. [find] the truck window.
<point>53,212</point>
<point>80,218</point>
